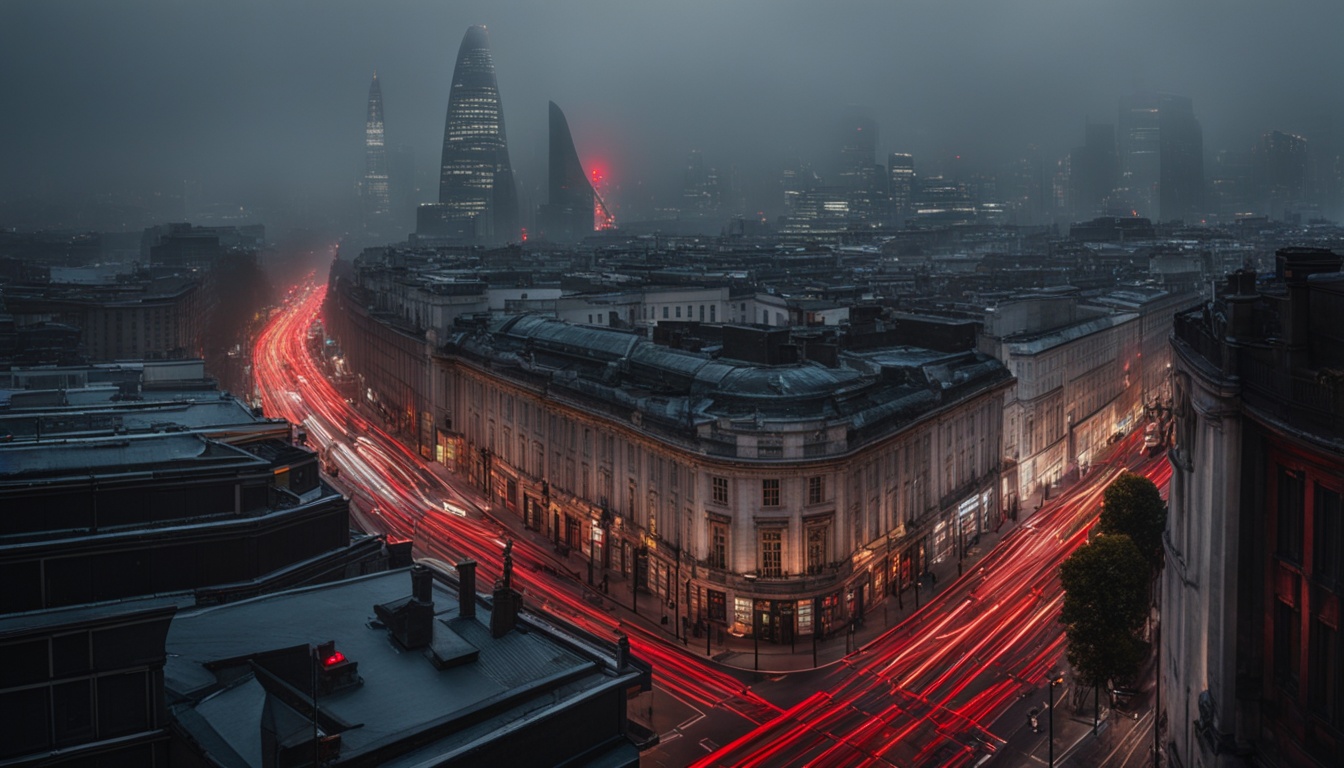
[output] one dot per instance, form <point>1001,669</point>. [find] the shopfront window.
<point>742,613</point>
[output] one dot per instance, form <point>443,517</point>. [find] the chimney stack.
<point>422,584</point>
<point>466,590</point>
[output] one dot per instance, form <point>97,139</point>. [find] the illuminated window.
<point>742,611</point>
<point>772,551</point>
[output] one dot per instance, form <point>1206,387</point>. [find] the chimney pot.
<point>466,591</point>
<point>422,583</point>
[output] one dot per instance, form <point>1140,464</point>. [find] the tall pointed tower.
<point>477,198</point>
<point>568,214</point>
<point>376,202</point>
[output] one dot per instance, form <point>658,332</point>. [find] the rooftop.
<point>405,709</point>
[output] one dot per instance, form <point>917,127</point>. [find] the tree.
<point>1105,605</point>
<point>1133,506</point>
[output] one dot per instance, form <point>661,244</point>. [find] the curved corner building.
<point>477,199</point>
<point>570,196</point>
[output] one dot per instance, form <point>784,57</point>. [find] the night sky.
<point>254,100</point>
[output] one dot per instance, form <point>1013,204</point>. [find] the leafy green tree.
<point>1133,506</point>
<point>1105,605</point>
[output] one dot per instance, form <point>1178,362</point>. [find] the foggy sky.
<point>262,100</point>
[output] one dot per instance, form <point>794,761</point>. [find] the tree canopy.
<point>1105,605</point>
<point>1132,505</point>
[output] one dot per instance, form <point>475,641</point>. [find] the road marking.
<point>709,746</point>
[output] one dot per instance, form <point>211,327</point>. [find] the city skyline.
<point>937,80</point>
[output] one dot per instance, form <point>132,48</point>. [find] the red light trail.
<point>393,493</point>
<point>927,692</point>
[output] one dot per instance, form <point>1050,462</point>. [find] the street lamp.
<point>1054,681</point>
<point>592,547</point>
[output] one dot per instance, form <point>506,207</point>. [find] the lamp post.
<point>592,547</point>
<point>755,637</point>
<point>1054,681</point>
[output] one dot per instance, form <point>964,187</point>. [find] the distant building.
<point>1093,171</point>
<point>568,214</point>
<point>900,184</point>
<point>143,319</point>
<point>375,187</point>
<point>1161,148</point>
<point>1280,168</point>
<point>857,170</point>
<point>700,192</point>
<point>1252,663</point>
<point>478,201</point>
<point>1083,374</point>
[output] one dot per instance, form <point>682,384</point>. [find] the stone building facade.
<point>1251,653</point>
<point>775,499</point>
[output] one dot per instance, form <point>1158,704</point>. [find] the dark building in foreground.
<point>83,686</point>
<point>1252,661</point>
<point>478,201</point>
<point>437,679</point>
<point>568,213</point>
<point>120,481</point>
<point>108,518</point>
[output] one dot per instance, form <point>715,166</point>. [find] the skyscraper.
<point>568,213</point>
<point>1280,172</point>
<point>376,203</point>
<point>1092,172</point>
<point>1161,156</point>
<point>857,149</point>
<point>477,198</point>
<point>900,184</point>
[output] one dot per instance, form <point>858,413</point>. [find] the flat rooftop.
<point>498,685</point>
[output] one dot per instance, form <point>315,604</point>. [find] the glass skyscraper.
<point>569,212</point>
<point>376,203</point>
<point>477,198</point>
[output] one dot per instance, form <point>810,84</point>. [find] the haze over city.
<point>909,384</point>
<point>261,104</point>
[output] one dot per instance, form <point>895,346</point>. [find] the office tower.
<point>857,170</point>
<point>700,186</point>
<point>403,188</point>
<point>569,212</point>
<point>1161,156</point>
<point>857,150</point>
<point>1280,172</point>
<point>376,200</point>
<point>1093,171</point>
<point>477,198</point>
<point>900,184</point>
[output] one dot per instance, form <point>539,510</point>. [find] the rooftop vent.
<point>411,619</point>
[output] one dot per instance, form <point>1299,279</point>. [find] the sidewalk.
<point>743,652</point>
<point>719,646</point>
